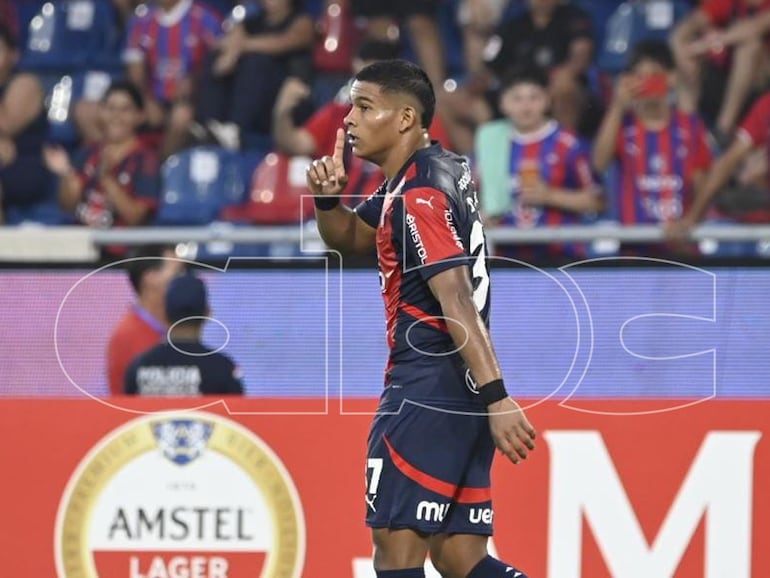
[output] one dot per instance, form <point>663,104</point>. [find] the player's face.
<point>526,105</point>
<point>373,121</point>
<point>120,117</point>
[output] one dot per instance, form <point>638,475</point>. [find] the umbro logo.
<point>428,202</point>
<point>509,569</point>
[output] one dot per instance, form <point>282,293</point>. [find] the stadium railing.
<point>81,244</point>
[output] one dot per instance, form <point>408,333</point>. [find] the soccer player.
<point>444,407</point>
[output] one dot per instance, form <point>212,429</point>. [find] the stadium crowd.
<point>186,112</point>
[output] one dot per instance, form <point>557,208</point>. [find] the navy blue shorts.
<point>428,464</point>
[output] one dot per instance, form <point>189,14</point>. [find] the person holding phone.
<point>663,152</point>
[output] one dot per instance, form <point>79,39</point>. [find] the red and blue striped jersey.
<point>427,221</point>
<point>562,162</point>
<point>172,45</point>
<point>658,167</point>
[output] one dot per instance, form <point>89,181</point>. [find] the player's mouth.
<point>352,140</point>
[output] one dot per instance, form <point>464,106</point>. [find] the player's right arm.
<point>340,227</point>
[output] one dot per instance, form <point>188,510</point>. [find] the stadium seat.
<point>70,35</point>
<point>197,184</point>
<point>632,22</point>
<point>276,191</point>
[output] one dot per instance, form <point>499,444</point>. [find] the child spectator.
<point>664,152</point>
<point>542,177</point>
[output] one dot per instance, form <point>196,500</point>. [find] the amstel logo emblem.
<point>183,495</point>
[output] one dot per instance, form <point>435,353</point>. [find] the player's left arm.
<point>511,430</point>
<point>433,242</point>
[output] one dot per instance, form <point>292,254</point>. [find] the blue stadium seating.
<point>72,34</point>
<point>198,183</point>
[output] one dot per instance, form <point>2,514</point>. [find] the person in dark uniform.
<point>183,365</point>
<point>444,407</point>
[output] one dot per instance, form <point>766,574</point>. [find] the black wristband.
<point>492,392</point>
<point>325,202</point>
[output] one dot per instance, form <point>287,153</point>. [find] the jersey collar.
<point>434,147</point>
<point>522,138</point>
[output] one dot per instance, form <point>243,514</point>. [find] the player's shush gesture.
<point>514,436</point>
<point>327,176</point>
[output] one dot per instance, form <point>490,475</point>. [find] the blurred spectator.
<point>664,152</point>
<point>24,180</point>
<point>728,37</point>
<point>184,366</point>
<point>543,176</point>
<point>144,324</point>
<point>167,44</point>
<point>383,19</point>
<point>552,36</point>
<point>116,182</point>
<point>478,19</point>
<point>243,77</point>
<point>752,136</point>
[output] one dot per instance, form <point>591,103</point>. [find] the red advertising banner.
<point>141,491</point>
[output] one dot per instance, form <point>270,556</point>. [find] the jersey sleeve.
<point>369,210</point>
<point>756,124</point>
<point>431,240</point>
<point>718,12</point>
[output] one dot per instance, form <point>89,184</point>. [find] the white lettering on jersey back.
<point>172,380</point>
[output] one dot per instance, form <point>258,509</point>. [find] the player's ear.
<point>409,118</point>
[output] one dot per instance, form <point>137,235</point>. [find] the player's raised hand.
<point>514,436</point>
<point>327,176</point>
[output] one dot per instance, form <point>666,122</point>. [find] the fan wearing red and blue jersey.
<point>663,152</point>
<point>534,173</point>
